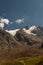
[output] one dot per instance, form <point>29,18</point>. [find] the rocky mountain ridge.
<point>28,35</point>
<point>25,41</point>
<point>32,30</point>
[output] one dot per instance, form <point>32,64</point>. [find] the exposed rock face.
<point>34,39</point>
<point>29,35</point>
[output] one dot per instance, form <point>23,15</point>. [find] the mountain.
<point>9,47</point>
<point>21,42</point>
<point>33,30</point>
<point>29,35</point>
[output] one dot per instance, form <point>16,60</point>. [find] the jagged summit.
<point>32,30</point>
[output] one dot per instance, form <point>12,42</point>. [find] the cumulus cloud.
<point>19,20</point>
<point>3,21</point>
<point>6,21</point>
<point>2,25</point>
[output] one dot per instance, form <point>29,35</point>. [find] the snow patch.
<point>30,29</point>
<point>12,32</point>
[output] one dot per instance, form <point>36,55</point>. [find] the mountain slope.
<point>31,37</point>
<point>21,43</point>
<point>9,47</point>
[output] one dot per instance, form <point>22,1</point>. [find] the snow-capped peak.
<point>30,29</point>
<point>12,32</point>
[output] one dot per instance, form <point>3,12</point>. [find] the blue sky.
<point>21,12</point>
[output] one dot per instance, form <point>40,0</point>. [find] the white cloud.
<point>2,25</point>
<point>19,20</point>
<point>3,20</point>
